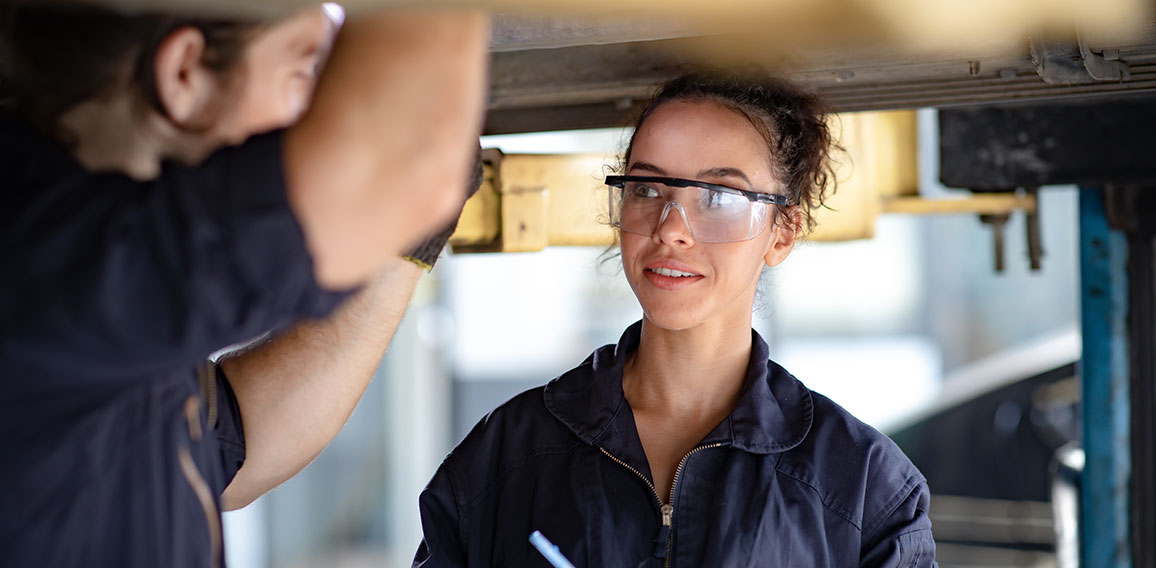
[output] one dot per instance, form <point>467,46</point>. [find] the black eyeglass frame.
<point>772,198</point>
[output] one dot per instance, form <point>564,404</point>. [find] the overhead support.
<point>574,64</point>
<point>520,32</point>
<point>925,25</point>
<point>1073,62</point>
<point>603,85</point>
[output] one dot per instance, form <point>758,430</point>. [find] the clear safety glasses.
<point>712,213</point>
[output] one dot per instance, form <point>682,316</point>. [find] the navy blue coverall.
<point>116,440</point>
<point>789,479</point>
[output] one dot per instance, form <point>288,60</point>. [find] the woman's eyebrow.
<point>647,167</point>
<point>716,172</point>
<point>724,172</point>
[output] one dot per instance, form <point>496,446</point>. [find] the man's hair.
<point>55,55</point>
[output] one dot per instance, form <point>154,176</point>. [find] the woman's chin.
<point>671,320</point>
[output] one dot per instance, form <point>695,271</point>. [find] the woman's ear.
<point>784,235</point>
<point>184,85</point>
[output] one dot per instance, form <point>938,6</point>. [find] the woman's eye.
<point>715,198</point>
<point>644,191</point>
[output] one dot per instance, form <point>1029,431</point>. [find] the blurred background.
<point>903,329</point>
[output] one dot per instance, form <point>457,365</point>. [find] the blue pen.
<point>551,552</point>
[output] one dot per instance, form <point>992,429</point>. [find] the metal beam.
<point>517,32</point>
<point>981,204</point>
<point>1104,372</point>
<point>925,24</point>
<point>1000,147</point>
<point>593,86</point>
<point>569,64</point>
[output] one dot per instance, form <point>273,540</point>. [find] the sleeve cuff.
<point>269,246</point>
<point>229,428</point>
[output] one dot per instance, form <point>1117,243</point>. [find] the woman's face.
<point>708,142</point>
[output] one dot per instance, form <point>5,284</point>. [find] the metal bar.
<point>589,86</point>
<point>923,24</point>
<point>1035,240</point>
<point>982,204</point>
<point>998,224</point>
<point>1104,373</point>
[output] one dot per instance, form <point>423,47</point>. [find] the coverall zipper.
<point>197,481</point>
<point>666,509</point>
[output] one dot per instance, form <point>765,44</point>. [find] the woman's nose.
<point>674,229</point>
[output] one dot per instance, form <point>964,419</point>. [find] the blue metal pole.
<point>1104,373</point>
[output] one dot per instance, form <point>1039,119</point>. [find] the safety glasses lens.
<point>711,216</point>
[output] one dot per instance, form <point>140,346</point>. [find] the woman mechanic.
<point>684,445</point>
<point>155,209</point>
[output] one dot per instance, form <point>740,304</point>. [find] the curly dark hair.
<point>793,123</point>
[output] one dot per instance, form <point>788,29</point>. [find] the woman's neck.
<point>693,372</point>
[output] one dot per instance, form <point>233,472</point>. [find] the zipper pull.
<point>662,541</point>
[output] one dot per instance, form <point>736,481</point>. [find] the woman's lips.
<point>666,278</point>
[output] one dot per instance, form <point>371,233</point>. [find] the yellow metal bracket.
<point>530,201</point>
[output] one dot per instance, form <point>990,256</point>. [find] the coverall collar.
<point>773,414</point>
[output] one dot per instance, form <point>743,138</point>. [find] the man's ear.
<point>184,85</point>
<point>785,233</point>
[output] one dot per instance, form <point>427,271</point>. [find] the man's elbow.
<point>237,498</point>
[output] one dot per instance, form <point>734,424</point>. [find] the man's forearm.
<point>297,389</point>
